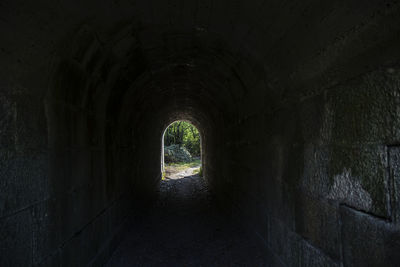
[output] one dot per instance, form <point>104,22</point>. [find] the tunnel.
<point>297,103</point>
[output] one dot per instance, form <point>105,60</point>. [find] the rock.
<point>176,153</point>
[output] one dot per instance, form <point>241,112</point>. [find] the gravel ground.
<point>185,229</point>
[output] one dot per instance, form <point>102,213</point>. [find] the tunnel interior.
<point>297,103</point>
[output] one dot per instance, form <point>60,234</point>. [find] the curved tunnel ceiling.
<point>131,62</point>
<point>288,48</point>
<point>148,63</point>
<point>264,35</point>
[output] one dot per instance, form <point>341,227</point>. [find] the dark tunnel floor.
<point>184,229</point>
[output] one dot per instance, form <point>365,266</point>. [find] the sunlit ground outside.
<point>182,169</point>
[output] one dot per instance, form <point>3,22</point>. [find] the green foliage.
<point>184,134</point>
<point>185,165</point>
<point>198,171</point>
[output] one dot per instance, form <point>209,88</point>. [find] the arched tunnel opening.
<point>297,104</point>
<point>181,145</point>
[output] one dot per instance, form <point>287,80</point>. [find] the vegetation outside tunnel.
<point>183,134</point>
<point>182,147</point>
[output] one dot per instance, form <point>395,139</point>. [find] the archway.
<point>181,153</point>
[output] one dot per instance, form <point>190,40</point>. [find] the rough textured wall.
<point>331,195</point>
<point>317,177</point>
<point>65,180</point>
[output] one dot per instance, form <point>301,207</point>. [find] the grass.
<point>184,165</point>
<point>198,171</point>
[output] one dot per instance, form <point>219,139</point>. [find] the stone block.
<point>315,179</point>
<point>31,125</point>
<point>278,239</point>
<point>394,182</point>
<point>23,179</point>
<point>314,119</point>
<point>76,251</point>
<point>318,222</point>
<point>368,241</point>
<point>53,260</point>
<point>59,219</point>
<point>303,254</point>
<point>8,125</point>
<point>16,239</point>
<point>364,110</point>
<point>358,178</point>
<point>50,228</point>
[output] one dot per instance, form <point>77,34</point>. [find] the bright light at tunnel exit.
<point>181,151</point>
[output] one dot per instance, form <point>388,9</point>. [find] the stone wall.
<point>319,183</point>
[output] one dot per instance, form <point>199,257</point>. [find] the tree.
<point>184,134</point>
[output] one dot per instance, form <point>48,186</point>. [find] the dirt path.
<point>173,172</point>
<point>184,229</point>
